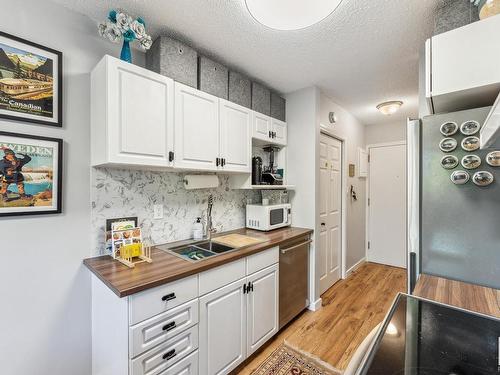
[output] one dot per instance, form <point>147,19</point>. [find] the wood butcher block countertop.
<point>456,293</point>
<point>124,281</point>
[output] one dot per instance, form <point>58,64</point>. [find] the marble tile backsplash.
<point>118,193</point>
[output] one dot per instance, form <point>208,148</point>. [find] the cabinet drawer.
<point>220,276</point>
<point>162,327</point>
<point>262,260</point>
<point>165,355</point>
<point>187,366</point>
<point>151,302</point>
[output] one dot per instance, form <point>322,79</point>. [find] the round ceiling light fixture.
<point>389,108</point>
<point>290,14</point>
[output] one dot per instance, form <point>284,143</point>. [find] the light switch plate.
<point>158,211</point>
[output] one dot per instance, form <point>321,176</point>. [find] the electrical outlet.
<point>158,211</point>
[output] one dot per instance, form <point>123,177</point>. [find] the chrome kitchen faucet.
<point>210,229</point>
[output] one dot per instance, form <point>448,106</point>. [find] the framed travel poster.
<point>30,82</point>
<point>30,174</point>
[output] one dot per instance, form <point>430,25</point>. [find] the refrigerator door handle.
<point>413,201</point>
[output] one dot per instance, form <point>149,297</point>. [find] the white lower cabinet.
<point>163,356</point>
<point>187,366</point>
<point>237,319</point>
<point>262,307</point>
<point>223,329</point>
<point>207,323</point>
<point>151,332</point>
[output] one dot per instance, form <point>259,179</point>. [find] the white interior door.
<point>330,211</point>
<point>387,205</point>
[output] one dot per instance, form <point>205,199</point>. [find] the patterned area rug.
<point>286,360</point>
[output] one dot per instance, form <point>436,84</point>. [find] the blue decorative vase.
<point>126,55</point>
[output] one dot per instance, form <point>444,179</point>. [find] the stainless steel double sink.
<point>198,250</point>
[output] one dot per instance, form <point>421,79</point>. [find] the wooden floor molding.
<point>351,309</point>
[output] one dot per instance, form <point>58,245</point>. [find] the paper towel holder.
<point>200,181</point>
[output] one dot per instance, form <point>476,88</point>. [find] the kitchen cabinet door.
<point>279,129</point>
<point>196,129</point>
<point>262,307</point>
<point>132,115</point>
<point>223,329</point>
<point>261,126</point>
<point>235,141</point>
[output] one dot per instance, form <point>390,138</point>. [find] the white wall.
<point>307,110</point>
<point>45,290</point>
<point>302,108</point>
<point>384,133</point>
<point>352,132</point>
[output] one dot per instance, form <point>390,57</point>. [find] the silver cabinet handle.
<point>284,251</point>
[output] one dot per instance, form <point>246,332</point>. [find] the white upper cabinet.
<point>235,141</point>
<point>279,132</point>
<point>262,308</point>
<point>197,136</point>
<point>132,115</point>
<point>261,127</point>
<point>222,326</point>
<point>141,119</point>
<point>462,69</point>
<point>268,130</point>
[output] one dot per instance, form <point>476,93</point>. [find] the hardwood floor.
<point>452,292</point>
<point>351,309</point>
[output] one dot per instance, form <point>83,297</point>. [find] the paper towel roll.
<point>201,181</point>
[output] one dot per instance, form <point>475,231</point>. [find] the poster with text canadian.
<point>30,82</point>
<point>30,174</point>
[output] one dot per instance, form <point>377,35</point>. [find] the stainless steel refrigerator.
<point>453,229</point>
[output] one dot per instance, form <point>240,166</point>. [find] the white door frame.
<point>343,167</point>
<point>367,207</point>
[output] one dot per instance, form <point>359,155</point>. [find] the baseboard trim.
<point>315,306</point>
<point>355,267</point>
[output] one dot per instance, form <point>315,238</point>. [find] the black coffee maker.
<point>256,170</point>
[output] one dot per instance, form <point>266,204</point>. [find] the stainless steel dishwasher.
<point>294,278</point>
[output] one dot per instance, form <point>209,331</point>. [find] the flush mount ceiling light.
<point>389,108</point>
<point>290,14</point>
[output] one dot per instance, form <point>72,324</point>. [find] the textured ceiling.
<point>365,53</point>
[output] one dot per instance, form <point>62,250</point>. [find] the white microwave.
<point>269,217</point>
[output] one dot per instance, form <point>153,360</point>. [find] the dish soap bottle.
<point>198,230</point>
